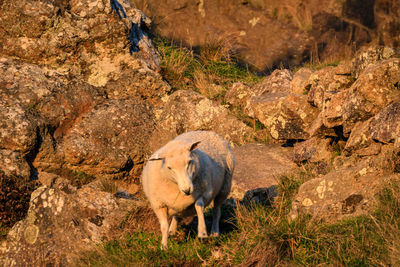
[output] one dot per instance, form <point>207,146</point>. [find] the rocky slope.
<point>271,33</point>
<point>83,104</point>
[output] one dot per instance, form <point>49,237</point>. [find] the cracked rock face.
<point>62,221</point>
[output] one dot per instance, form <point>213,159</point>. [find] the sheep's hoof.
<point>202,236</point>
<point>171,233</point>
<point>215,234</point>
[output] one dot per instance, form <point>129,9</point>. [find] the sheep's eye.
<point>169,168</point>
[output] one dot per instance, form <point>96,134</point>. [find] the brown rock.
<point>369,56</point>
<point>341,193</point>
<point>373,90</point>
<point>240,94</point>
<point>329,79</point>
<point>186,110</point>
<point>300,83</point>
<point>285,115</point>
<point>313,150</point>
<point>110,140</point>
<point>85,38</point>
<point>13,164</point>
<point>266,162</point>
<point>61,223</point>
<point>18,127</point>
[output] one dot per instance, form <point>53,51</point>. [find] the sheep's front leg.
<point>173,226</point>
<point>162,216</point>
<point>201,228</point>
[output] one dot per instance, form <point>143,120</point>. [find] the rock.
<point>187,110</point>
<point>369,56</point>
<point>58,99</point>
<point>313,150</point>
<point>240,94</point>
<point>61,223</point>
<point>332,109</point>
<point>277,81</point>
<point>110,140</point>
<point>300,81</point>
<point>329,79</point>
<point>266,162</point>
<point>18,128</point>
<point>87,39</point>
<point>262,196</point>
<point>286,116</point>
<point>383,127</point>
<point>13,163</point>
<point>341,193</point>
<point>14,199</point>
<point>376,87</point>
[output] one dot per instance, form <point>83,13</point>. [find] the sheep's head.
<point>181,164</point>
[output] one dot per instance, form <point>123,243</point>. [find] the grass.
<point>210,71</point>
<point>265,236</point>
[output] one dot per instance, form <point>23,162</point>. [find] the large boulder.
<point>240,94</point>
<point>329,79</point>
<point>285,115</point>
<point>110,140</point>
<point>186,110</point>
<point>348,191</point>
<point>384,127</point>
<point>375,88</point>
<point>62,222</point>
<point>266,162</point>
<point>87,39</point>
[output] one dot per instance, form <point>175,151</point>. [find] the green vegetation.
<point>211,71</point>
<point>265,236</point>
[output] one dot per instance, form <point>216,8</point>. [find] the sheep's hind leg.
<point>173,226</point>
<point>162,216</point>
<point>201,228</point>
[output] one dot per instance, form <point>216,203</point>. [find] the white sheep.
<point>184,176</point>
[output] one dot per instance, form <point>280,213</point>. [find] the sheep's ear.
<point>194,146</point>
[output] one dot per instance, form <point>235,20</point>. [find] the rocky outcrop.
<point>85,39</point>
<point>269,34</point>
<point>61,222</point>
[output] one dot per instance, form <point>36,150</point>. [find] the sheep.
<point>184,176</point>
